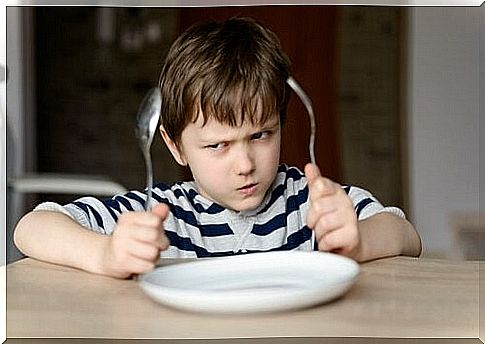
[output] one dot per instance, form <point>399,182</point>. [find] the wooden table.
<point>394,297</point>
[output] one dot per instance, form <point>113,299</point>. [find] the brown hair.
<point>227,69</point>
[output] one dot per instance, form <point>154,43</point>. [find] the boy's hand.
<point>136,243</point>
<point>331,215</point>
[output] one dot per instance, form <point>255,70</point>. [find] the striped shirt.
<point>198,227</point>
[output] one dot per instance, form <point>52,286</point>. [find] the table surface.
<point>393,297</point>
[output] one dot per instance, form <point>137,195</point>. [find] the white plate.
<point>252,283</point>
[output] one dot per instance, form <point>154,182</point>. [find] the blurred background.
<point>395,91</point>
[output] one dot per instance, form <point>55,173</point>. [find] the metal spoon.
<point>146,125</point>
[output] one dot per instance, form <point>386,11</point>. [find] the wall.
<point>482,108</point>
<point>19,113</point>
<point>99,73</point>
<point>369,99</point>
<point>443,107</point>
<point>3,136</point>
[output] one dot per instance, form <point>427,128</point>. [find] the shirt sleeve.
<point>98,215</point>
<point>366,205</point>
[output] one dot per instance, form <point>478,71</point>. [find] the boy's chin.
<point>247,204</point>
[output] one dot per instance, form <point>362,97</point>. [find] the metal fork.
<point>309,108</point>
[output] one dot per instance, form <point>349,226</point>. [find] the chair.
<point>50,183</point>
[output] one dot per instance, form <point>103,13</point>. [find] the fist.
<point>331,215</point>
<point>136,242</point>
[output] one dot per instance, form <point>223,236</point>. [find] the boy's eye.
<point>260,135</point>
<point>216,146</point>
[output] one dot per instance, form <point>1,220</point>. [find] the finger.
<point>331,241</point>
<point>164,242</point>
<point>327,224</point>
<point>145,251</point>
<point>161,210</point>
<point>149,235</point>
<point>311,172</point>
<point>342,241</point>
<point>140,266</point>
<point>320,207</point>
<point>318,186</point>
<point>322,187</point>
<point>330,221</point>
<point>334,221</point>
<point>140,218</point>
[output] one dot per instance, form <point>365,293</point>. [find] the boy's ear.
<point>176,152</point>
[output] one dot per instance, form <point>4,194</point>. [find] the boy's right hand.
<point>135,245</point>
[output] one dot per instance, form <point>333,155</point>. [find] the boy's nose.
<point>244,163</point>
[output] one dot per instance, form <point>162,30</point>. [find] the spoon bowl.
<point>146,124</point>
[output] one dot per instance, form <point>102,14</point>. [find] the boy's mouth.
<point>248,189</point>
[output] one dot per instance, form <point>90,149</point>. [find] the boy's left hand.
<point>331,215</point>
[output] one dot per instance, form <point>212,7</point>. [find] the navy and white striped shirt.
<point>198,227</point>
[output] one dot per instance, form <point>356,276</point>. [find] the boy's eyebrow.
<point>269,125</point>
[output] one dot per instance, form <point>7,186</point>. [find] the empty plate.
<point>252,283</point>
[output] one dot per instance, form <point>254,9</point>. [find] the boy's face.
<point>232,166</point>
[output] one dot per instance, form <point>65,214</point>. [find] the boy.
<point>224,99</point>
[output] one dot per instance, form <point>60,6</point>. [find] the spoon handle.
<point>149,179</point>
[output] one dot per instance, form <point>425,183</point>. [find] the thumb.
<point>161,210</point>
<point>312,172</point>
